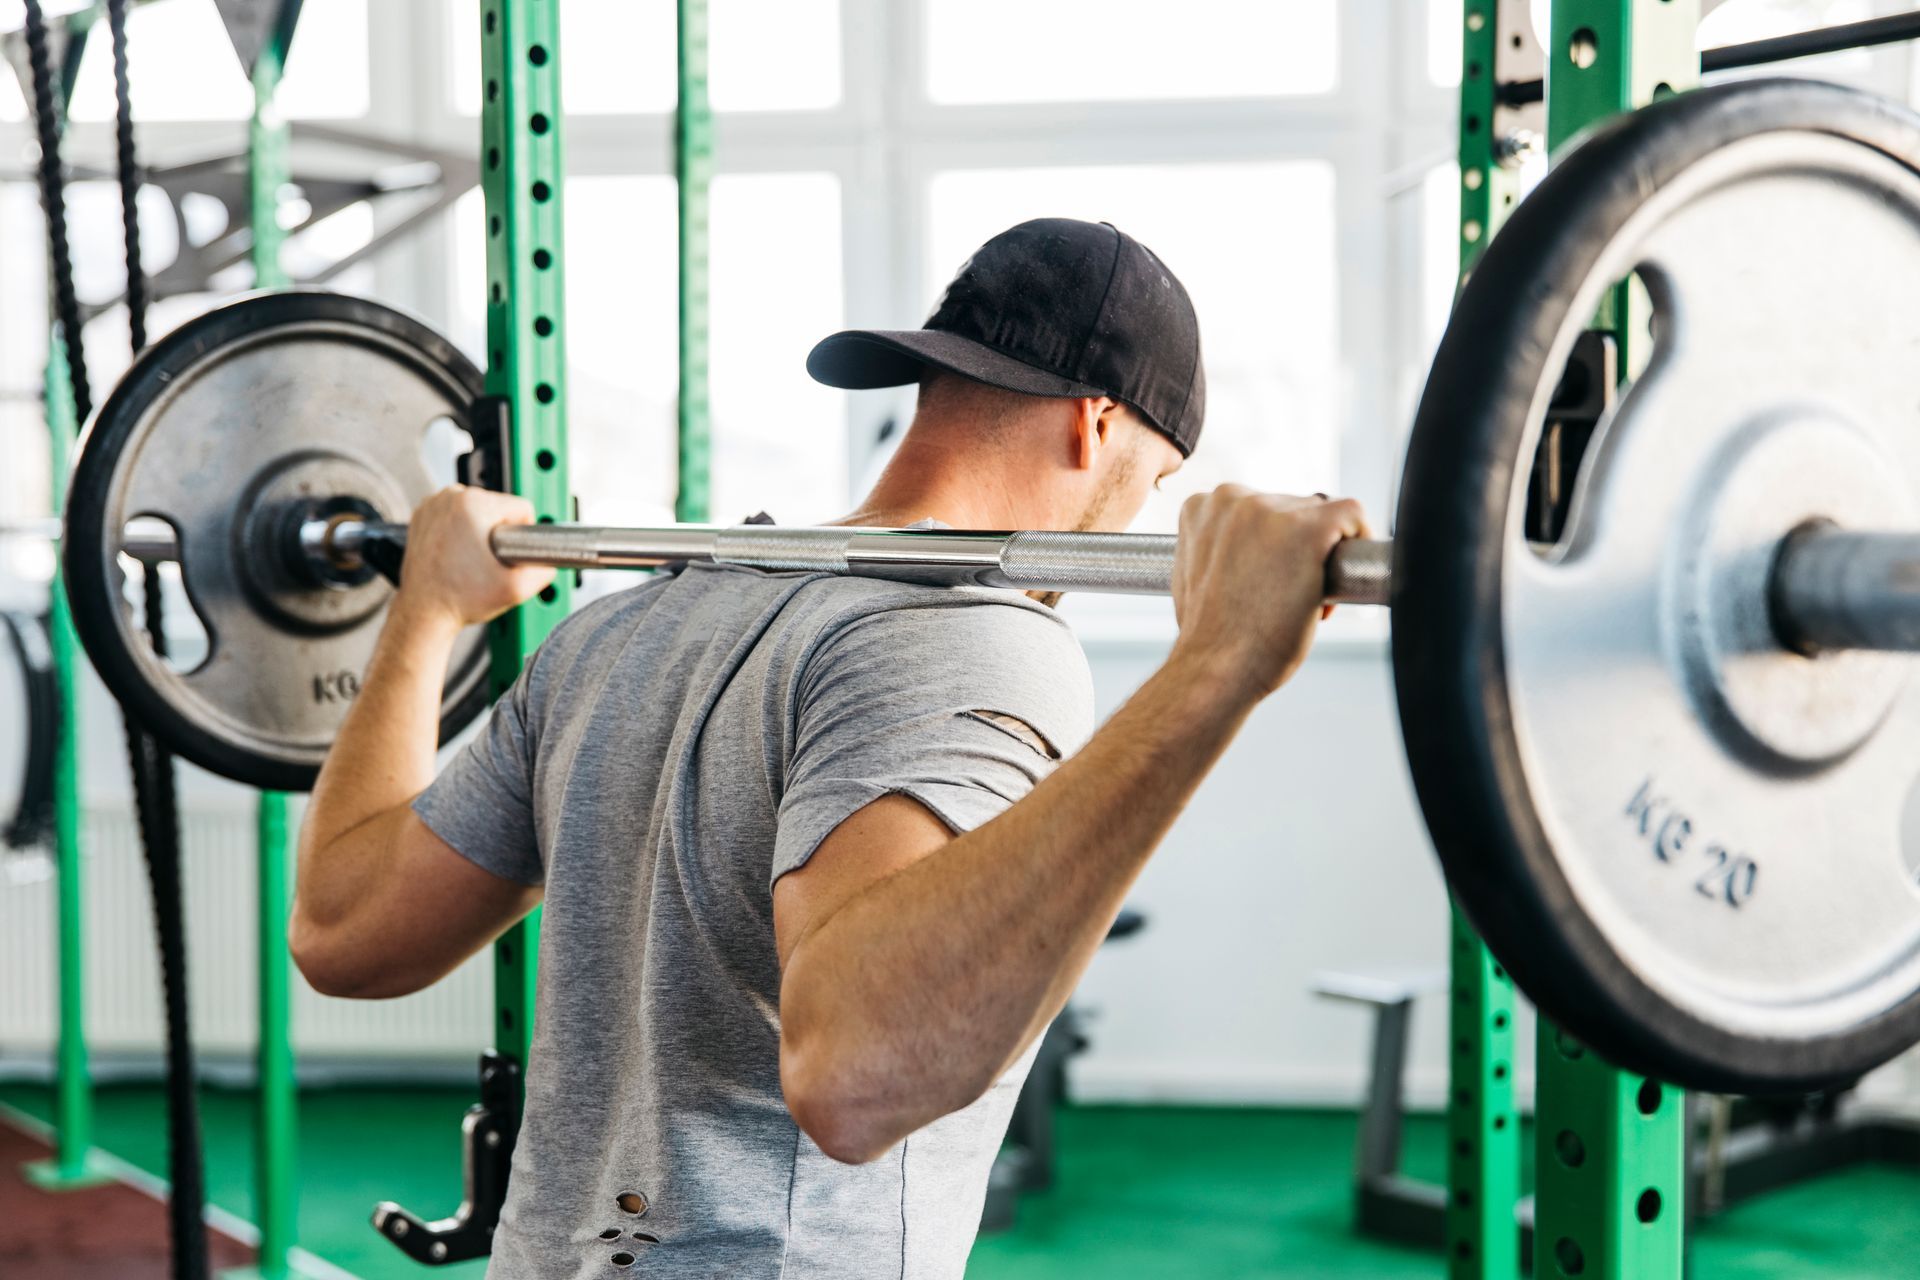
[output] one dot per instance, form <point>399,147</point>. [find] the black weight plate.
<point>322,394</point>
<point>1455,648</point>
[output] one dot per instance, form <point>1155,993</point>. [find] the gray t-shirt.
<point>670,752</point>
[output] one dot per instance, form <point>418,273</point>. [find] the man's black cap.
<point>1052,307</point>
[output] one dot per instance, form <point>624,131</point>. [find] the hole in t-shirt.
<point>611,1233</point>
<point>621,1259</point>
<point>631,1202</point>
<point>1016,728</point>
<point>641,1235</point>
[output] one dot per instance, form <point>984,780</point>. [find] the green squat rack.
<point>1610,1145</point>
<point>262,36</point>
<point>75,1163</point>
<point>1483,1133</point>
<point>693,173</point>
<point>522,177</point>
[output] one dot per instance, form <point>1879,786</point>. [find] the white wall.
<point>1302,852</point>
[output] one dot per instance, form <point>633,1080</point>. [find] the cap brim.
<point>859,359</point>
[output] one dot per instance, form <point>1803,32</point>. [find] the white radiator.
<point>447,1024</point>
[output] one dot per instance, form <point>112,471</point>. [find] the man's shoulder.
<point>943,620</point>
<point>578,635</point>
<point>986,648</point>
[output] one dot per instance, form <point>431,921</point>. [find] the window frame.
<point>886,139</point>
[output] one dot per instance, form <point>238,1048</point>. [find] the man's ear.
<point>1095,421</point>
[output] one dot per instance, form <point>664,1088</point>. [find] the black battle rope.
<point>155,788</point>
<point>53,198</point>
<point>153,780</point>
<point>129,175</point>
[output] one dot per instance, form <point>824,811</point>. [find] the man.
<point>815,875</point>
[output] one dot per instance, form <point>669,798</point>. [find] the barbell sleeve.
<point>1838,589</point>
<point>145,537</point>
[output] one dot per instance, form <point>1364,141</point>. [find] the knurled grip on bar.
<point>1123,563</point>
<point>1358,572</point>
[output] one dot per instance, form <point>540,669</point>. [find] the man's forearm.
<point>921,990</point>
<point>384,754</point>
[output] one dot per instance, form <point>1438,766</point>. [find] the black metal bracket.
<point>487,1135</point>
<point>489,464</point>
<point>1585,392</point>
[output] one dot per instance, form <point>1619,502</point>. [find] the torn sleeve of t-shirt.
<point>482,802</point>
<point>962,706</point>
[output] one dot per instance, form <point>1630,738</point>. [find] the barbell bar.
<point>1830,589</point>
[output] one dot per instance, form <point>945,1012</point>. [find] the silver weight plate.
<point>219,430</point>
<point>1684,840</point>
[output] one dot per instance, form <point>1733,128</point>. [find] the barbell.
<point>1827,589</point>
<point>1664,744</point>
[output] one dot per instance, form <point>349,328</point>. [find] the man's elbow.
<point>848,1128</point>
<point>334,967</point>
<point>324,967</point>
<point>855,1124</point>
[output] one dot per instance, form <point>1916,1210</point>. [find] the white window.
<point>1127,50</point>
<point>13,103</point>
<point>779,437</point>
<point>181,66</point>
<point>621,326</point>
<point>764,55</point>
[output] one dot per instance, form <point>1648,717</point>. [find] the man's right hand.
<point>451,571</point>
<point>1249,580</point>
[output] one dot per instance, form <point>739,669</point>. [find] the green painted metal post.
<point>276,1121</point>
<point>277,1101</point>
<point>1611,1146</point>
<point>1483,1130</point>
<point>523,179</point>
<point>75,1163</point>
<point>74,1101</point>
<point>276,1117</point>
<point>693,168</point>
<point>267,170</point>
<point>1483,1127</point>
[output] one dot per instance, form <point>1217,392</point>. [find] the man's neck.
<point>907,495</point>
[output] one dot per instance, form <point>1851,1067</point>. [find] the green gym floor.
<point>1174,1193</point>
